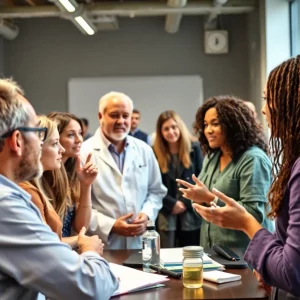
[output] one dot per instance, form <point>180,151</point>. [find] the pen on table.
<point>165,271</point>
<point>220,251</point>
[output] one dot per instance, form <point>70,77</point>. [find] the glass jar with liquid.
<point>192,267</point>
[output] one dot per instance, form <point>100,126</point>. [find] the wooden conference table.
<point>247,288</point>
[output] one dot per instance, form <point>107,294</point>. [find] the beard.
<point>30,167</point>
<point>115,136</point>
<point>118,136</point>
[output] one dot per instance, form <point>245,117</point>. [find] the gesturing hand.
<point>136,227</point>
<point>89,243</point>
<point>197,192</point>
<point>232,216</point>
<point>88,173</point>
<point>178,208</point>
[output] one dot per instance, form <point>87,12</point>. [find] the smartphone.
<point>225,252</point>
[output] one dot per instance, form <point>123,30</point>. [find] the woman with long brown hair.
<point>178,157</point>
<point>76,208</point>
<point>275,257</point>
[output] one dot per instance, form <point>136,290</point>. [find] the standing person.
<point>33,258</point>
<point>178,157</point>
<point>128,190</point>
<point>85,129</point>
<point>76,209</point>
<point>135,131</point>
<point>275,257</point>
<point>236,162</point>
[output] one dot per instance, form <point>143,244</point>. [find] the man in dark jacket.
<point>134,130</point>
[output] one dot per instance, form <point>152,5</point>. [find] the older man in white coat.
<point>128,190</point>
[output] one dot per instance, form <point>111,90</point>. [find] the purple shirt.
<point>277,257</point>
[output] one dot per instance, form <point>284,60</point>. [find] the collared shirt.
<point>119,158</point>
<point>35,261</point>
<point>136,131</point>
<point>114,194</point>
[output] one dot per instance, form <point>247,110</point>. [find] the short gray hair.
<point>13,113</point>
<point>104,100</point>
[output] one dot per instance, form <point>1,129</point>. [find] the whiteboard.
<point>151,95</point>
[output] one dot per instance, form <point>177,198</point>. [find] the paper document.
<point>220,277</point>
<point>174,257</point>
<point>132,280</point>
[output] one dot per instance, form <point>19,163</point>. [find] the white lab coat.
<point>138,189</point>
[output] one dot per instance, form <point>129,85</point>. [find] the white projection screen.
<point>151,95</point>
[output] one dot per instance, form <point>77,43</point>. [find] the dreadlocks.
<point>283,100</point>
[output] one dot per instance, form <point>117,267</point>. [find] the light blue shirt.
<point>34,260</point>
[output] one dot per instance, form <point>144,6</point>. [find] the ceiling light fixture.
<point>68,5</point>
<point>85,25</point>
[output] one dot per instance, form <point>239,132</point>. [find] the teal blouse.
<point>246,180</point>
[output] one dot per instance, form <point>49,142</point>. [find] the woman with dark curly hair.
<point>275,257</point>
<point>236,162</point>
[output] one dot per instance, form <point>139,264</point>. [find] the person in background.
<point>178,157</point>
<point>275,257</point>
<point>34,260</point>
<point>85,129</point>
<point>252,107</point>
<point>135,131</point>
<point>128,190</point>
<point>236,162</point>
<point>76,209</point>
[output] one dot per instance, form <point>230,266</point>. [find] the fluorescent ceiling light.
<point>83,23</point>
<point>68,5</point>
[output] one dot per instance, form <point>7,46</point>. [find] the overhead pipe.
<point>217,10</point>
<point>172,23</point>
<point>130,9</point>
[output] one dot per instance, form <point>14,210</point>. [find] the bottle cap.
<point>192,252</point>
<point>150,225</point>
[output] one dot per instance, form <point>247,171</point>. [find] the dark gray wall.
<point>50,51</point>
<point>1,57</point>
<point>257,65</point>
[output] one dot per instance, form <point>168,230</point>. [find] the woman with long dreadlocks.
<point>275,257</point>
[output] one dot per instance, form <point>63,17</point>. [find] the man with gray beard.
<point>128,190</point>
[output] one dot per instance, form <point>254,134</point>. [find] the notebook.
<point>206,267</point>
<point>220,277</point>
<point>132,280</point>
<point>174,257</point>
<point>135,259</point>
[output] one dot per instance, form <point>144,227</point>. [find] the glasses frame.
<point>27,129</point>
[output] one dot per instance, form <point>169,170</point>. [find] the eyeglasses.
<point>40,131</point>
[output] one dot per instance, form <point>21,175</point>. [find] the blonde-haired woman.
<point>41,191</point>
<point>178,157</point>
